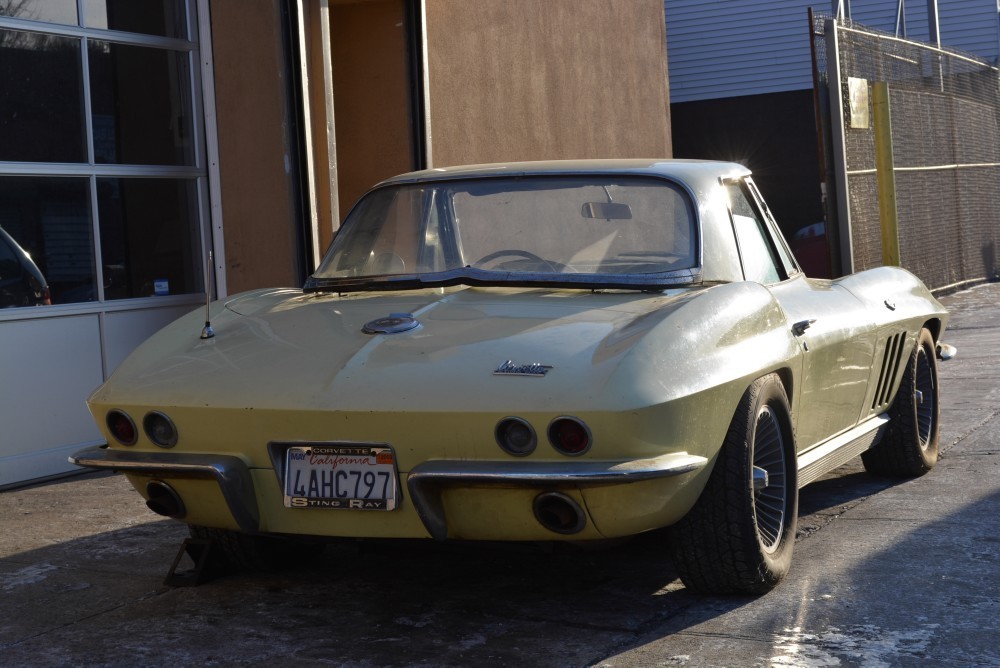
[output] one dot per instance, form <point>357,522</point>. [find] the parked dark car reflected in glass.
<point>21,282</point>
<point>48,218</point>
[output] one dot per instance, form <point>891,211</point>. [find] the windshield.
<point>517,229</point>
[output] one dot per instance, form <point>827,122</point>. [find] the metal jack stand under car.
<point>209,563</point>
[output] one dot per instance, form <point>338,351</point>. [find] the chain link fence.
<point>945,116</point>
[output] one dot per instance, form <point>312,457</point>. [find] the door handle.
<point>799,328</point>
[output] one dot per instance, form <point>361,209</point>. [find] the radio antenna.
<point>207,332</point>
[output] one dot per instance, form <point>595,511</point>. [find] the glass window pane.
<point>578,225</point>
<point>150,240</point>
<point>49,220</point>
<point>51,11</point>
<point>759,261</point>
<point>141,100</point>
<point>151,17</point>
<point>784,253</point>
<point>41,103</point>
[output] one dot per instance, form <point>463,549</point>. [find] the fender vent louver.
<point>890,369</point>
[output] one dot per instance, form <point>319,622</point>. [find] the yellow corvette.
<point>534,351</point>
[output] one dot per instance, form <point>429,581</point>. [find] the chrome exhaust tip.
<point>163,500</point>
<point>559,513</point>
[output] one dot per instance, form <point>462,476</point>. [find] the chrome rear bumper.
<point>231,473</point>
<point>425,482</point>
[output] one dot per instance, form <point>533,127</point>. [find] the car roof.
<point>693,172</point>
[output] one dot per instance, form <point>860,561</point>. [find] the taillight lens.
<point>569,436</point>
<point>121,427</point>
<point>160,429</point>
<point>515,436</point>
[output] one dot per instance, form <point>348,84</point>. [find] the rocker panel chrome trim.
<point>840,450</point>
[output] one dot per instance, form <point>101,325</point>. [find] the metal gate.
<point>919,125</point>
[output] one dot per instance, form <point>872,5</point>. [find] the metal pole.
<point>820,98</point>
<point>301,29</point>
<point>933,23</point>
<point>214,233</point>
<point>426,101</point>
<point>326,50</point>
<point>838,139</point>
<point>885,175</point>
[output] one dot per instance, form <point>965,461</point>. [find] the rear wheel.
<point>258,553</point>
<point>739,536</point>
<point>910,447</point>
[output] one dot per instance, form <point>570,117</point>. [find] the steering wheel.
<point>555,267</point>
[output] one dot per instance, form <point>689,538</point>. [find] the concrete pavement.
<point>886,573</point>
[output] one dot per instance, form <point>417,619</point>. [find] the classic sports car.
<point>535,351</point>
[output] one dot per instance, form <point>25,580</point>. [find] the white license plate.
<point>345,477</point>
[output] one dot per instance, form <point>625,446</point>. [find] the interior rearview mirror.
<point>607,210</point>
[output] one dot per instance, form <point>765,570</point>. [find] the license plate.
<point>344,477</point>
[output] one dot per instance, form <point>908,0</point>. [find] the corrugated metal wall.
<point>971,25</point>
<point>967,25</point>
<point>729,48</point>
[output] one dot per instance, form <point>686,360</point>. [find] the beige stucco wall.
<point>524,80</point>
<point>256,189</point>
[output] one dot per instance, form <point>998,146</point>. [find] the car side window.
<point>779,243</point>
<point>760,262</point>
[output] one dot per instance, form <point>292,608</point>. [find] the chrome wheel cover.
<point>771,501</point>
<point>925,399</point>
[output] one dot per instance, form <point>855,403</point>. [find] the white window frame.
<point>204,171</point>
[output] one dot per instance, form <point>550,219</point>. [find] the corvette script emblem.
<point>512,368</point>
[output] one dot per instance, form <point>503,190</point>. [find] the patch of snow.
<point>25,576</point>
<point>866,645</point>
<point>471,641</point>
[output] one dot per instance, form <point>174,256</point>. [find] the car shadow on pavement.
<point>100,598</point>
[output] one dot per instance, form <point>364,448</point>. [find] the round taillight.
<point>515,436</point>
<point>160,429</point>
<point>569,436</point>
<point>121,427</point>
